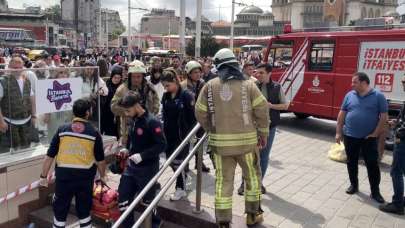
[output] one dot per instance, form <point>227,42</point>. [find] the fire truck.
<point>315,68</point>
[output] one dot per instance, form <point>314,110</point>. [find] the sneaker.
<point>241,189</point>
<point>224,225</point>
<point>178,195</point>
<point>391,208</point>
<point>253,219</point>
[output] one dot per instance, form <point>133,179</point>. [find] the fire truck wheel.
<point>301,115</point>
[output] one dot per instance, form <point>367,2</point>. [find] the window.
<point>322,56</point>
<point>281,53</point>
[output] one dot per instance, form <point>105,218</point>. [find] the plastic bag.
<point>337,153</point>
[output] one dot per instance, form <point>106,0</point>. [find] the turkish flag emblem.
<point>158,130</point>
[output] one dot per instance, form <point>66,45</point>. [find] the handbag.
<point>105,202</point>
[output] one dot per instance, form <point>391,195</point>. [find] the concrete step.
<point>43,218</point>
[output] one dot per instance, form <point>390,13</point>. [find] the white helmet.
<point>223,56</point>
<point>191,65</point>
<point>137,66</point>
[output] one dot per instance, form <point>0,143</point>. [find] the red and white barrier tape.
<point>35,184</point>
<point>24,189</point>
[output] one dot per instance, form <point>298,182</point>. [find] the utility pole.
<point>198,30</point>
<point>233,21</point>
<point>232,25</point>
<point>106,29</point>
<point>129,31</point>
<point>100,31</point>
<point>182,26</point>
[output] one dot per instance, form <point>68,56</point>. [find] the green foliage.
<point>208,46</point>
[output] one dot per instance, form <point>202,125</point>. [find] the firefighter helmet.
<point>224,56</point>
<point>191,65</point>
<point>137,66</point>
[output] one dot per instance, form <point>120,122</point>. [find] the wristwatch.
<point>40,176</point>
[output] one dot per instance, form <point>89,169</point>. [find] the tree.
<point>208,46</point>
<point>54,13</point>
<point>116,33</point>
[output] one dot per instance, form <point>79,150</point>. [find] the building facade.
<point>160,21</point>
<point>111,25</point>
<point>315,13</point>
<point>32,20</point>
<point>84,17</point>
<point>250,21</point>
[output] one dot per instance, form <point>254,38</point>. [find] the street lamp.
<point>233,21</point>
<point>129,28</point>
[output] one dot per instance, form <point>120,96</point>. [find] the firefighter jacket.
<point>146,138</point>
<point>77,146</point>
<point>233,113</point>
<point>150,101</point>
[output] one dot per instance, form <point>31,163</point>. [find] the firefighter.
<point>78,150</point>
<point>194,83</point>
<point>145,142</point>
<point>136,82</point>
<point>235,114</point>
<point>179,119</point>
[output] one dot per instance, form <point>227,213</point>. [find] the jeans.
<point>397,173</point>
<point>368,148</point>
<point>265,152</point>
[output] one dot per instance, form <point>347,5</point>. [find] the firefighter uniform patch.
<point>226,92</point>
<point>78,127</point>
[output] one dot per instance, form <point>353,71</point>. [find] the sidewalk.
<point>304,187</point>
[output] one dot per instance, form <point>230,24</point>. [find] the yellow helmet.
<point>191,65</point>
<point>137,66</point>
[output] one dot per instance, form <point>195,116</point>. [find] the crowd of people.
<point>151,104</point>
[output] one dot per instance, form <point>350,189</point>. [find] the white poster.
<point>57,95</point>
<point>384,63</point>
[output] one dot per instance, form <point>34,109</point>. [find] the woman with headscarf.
<point>109,122</point>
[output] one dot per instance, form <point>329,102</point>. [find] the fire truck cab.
<point>315,68</point>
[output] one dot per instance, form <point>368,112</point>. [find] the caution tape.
<point>24,189</point>
<point>35,184</point>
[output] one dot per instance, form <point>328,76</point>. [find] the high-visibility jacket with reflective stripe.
<point>234,113</point>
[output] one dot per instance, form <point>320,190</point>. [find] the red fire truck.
<point>315,68</point>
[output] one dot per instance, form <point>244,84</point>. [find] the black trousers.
<point>82,190</point>
<point>369,151</point>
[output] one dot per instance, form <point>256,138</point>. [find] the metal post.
<point>197,209</point>
<point>106,29</point>
<point>198,30</point>
<point>232,25</point>
<point>100,29</point>
<point>182,26</point>
<point>129,31</point>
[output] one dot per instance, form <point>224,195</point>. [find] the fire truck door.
<point>319,79</point>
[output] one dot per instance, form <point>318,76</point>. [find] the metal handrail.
<point>163,191</point>
<point>157,176</point>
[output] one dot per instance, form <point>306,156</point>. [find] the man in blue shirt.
<point>360,122</point>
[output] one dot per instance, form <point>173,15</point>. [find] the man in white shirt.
<point>17,107</point>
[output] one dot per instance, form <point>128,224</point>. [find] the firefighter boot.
<point>254,218</point>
